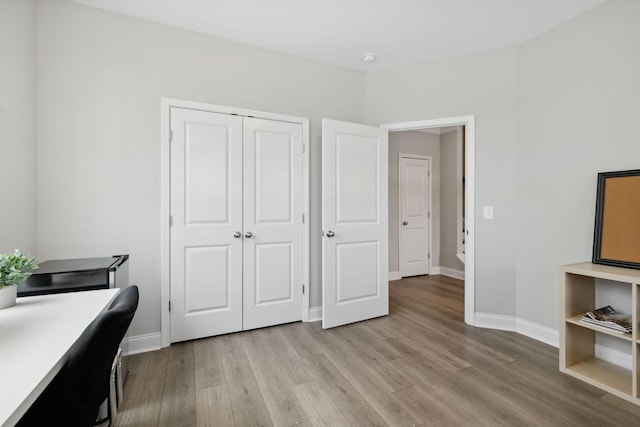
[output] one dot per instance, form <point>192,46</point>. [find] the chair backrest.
<point>88,368</point>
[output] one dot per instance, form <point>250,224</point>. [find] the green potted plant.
<point>14,269</point>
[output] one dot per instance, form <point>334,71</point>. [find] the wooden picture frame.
<point>616,239</point>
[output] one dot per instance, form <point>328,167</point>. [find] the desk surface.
<point>35,336</point>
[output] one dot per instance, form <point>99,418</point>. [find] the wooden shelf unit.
<point>577,339</point>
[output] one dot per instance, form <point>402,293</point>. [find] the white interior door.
<point>272,223</point>
<point>414,215</point>
<point>206,209</point>
<point>355,222</point>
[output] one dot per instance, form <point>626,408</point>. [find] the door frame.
<point>469,266</point>
<point>429,159</point>
<point>165,198</point>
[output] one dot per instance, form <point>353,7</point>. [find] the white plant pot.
<point>8,296</point>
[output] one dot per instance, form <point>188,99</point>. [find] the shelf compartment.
<point>575,320</point>
<point>605,375</point>
<point>581,285</point>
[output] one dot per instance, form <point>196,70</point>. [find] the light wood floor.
<point>421,365</point>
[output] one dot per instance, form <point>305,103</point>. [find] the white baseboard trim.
<point>394,275</point>
<point>143,343</point>
<point>315,314</point>
<point>524,327</point>
<point>538,332</point>
<point>450,272</point>
<point>616,357</point>
<point>495,321</point>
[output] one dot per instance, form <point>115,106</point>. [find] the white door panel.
<point>356,159</point>
<point>414,216</point>
<point>206,208</point>
<point>354,197</point>
<point>272,158</point>
<point>206,293</point>
<point>356,271</point>
<point>273,285</point>
<point>273,217</point>
<point>206,153</point>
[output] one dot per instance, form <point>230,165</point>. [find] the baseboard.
<point>394,275</point>
<point>538,332</point>
<point>315,314</point>
<point>143,343</point>
<point>450,272</point>
<point>615,357</point>
<point>495,321</point>
<point>523,327</point>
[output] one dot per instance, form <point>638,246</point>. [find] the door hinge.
<point>429,173</point>
<point>170,220</point>
<point>428,214</point>
<point>429,256</point>
<point>170,135</point>
<point>169,306</point>
<point>303,288</point>
<point>303,148</point>
<point>303,218</point>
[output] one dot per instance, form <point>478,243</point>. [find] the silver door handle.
<point>237,234</point>
<point>248,234</point>
<point>330,233</point>
<point>405,223</point>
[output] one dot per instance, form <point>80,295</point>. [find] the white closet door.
<point>272,223</point>
<point>355,222</point>
<point>414,216</point>
<point>206,207</point>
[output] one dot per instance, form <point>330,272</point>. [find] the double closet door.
<point>237,223</point>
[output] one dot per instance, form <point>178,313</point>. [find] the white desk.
<point>35,336</point>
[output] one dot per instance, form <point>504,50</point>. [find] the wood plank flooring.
<point>421,365</point>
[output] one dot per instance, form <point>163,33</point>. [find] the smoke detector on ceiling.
<point>368,57</point>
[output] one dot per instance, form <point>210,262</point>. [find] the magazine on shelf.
<point>608,318</point>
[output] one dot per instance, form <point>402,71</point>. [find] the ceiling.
<point>398,32</point>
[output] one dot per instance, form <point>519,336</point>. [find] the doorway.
<point>468,122</point>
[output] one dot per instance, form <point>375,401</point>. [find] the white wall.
<point>449,165</point>
<point>101,76</point>
<point>578,109</point>
<point>560,108</point>
<point>426,144</point>
<point>18,125</point>
<point>485,86</point>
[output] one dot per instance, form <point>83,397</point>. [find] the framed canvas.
<point>617,229</point>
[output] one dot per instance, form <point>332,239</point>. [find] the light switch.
<point>487,212</point>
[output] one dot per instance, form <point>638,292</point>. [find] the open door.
<point>355,222</point>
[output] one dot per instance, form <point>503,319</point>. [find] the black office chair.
<point>74,396</point>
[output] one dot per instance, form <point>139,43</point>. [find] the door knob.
<point>237,234</point>
<point>405,223</point>
<point>248,234</point>
<point>330,233</point>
